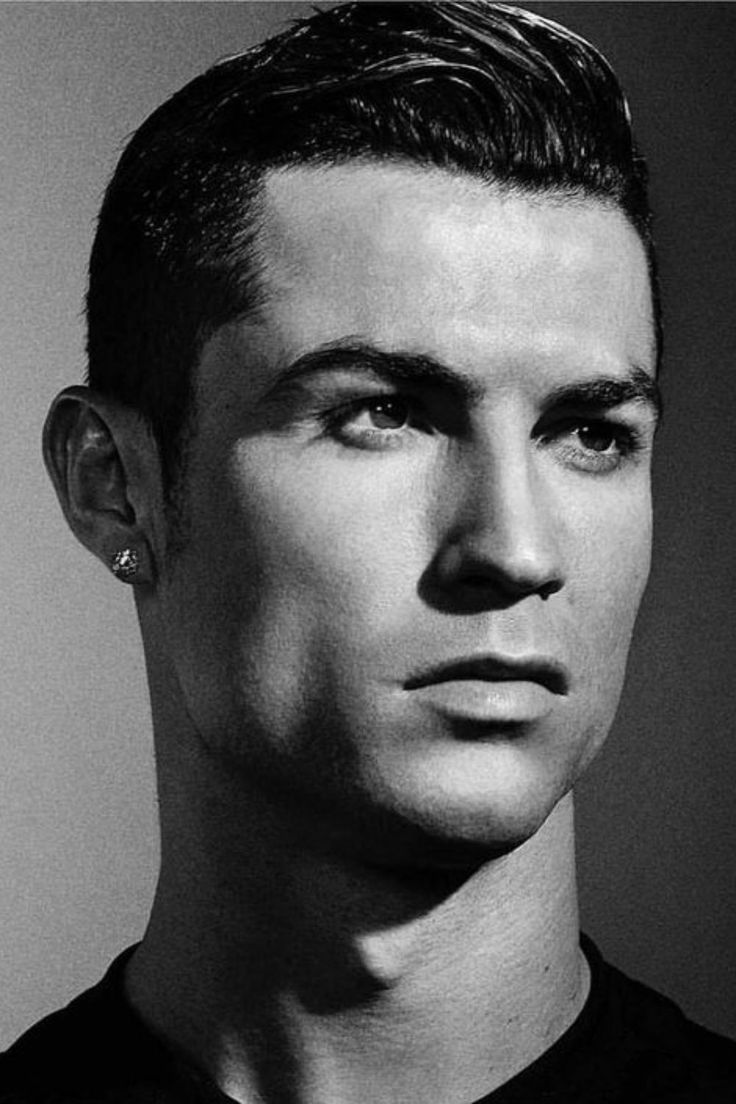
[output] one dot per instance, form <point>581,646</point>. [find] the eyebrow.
<point>351,355</point>
<point>348,354</point>
<point>604,393</point>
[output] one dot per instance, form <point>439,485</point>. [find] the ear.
<point>105,467</point>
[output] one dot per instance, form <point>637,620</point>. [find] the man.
<point>373,344</point>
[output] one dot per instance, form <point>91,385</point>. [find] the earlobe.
<point>92,450</point>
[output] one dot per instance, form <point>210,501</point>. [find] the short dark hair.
<point>473,87</point>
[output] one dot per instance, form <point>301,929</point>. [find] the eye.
<point>387,412</point>
<point>595,445</point>
<point>376,421</point>
<point>598,436</point>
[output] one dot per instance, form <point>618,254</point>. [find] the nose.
<point>501,530</point>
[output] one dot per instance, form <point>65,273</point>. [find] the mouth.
<point>547,672</point>
<point>492,689</point>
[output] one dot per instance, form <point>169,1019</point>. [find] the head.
<point>373,328</point>
<point>488,91</point>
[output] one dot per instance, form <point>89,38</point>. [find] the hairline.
<point>256,215</point>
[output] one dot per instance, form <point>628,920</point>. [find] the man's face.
<point>419,506</point>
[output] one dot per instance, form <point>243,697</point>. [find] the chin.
<point>459,844</point>
<point>446,822</point>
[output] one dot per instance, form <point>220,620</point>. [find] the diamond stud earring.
<point>125,564</point>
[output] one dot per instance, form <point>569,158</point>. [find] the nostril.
<point>548,589</point>
<point>518,585</point>
<point>477,582</point>
<point>451,584</point>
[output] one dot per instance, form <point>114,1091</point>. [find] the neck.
<point>290,976</point>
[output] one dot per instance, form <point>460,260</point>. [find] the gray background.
<point>78,846</point>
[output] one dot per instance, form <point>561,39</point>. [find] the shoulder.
<point>94,1051</point>
<point>664,1055</point>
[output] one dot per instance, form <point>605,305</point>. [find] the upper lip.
<point>545,670</point>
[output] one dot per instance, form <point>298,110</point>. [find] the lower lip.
<point>503,702</point>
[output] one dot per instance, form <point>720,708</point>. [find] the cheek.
<point>610,573</point>
<point>310,574</point>
<point>344,538</point>
<point>609,576</point>
<point>628,562</point>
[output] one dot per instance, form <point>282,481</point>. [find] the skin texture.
<point>351,562</point>
<point>367,889</point>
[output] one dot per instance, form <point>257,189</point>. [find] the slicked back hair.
<point>484,89</point>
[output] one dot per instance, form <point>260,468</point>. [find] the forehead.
<point>428,260</point>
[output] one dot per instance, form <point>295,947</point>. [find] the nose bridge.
<point>505,529</point>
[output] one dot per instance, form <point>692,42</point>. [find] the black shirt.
<point>629,1045</point>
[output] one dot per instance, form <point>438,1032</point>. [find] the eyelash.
<point>335,422</point>
<point>626,439</point>
<point>627,442</point>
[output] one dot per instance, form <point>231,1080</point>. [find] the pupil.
<point>388,413</point>
<point>598,440</point>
